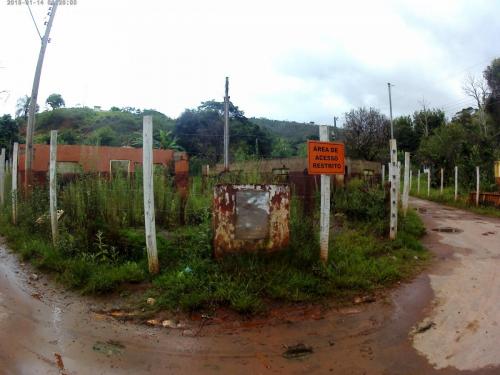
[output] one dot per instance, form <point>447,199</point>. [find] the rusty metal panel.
<point>249,218</point>
<point>252,215</point>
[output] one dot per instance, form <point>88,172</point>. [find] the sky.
<point>288,60</point>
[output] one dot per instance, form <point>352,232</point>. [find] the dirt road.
<point>455,305</point>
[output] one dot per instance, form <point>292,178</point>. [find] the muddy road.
<point>446,321</point>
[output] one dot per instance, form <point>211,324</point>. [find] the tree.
<point>367,134</point>
<point>492,76</point>
<point>281,148</point>
<point>55,101</point>
<point>477,89</point>
<point>201,131</point>
<point>22,107</point>
<point>426,121</point>
<point>405,134</point>
<point>9,132</point>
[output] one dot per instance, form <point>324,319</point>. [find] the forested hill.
<point>290,130</point>
<point>119,127</point>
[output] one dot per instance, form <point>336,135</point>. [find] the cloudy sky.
<point>295,60</point>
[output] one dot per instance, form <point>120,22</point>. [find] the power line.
<point>34,22</point>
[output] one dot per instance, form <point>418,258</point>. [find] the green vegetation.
<point>102,247</point>
<point>448,198</point>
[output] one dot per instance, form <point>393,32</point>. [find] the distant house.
<point>104,160</point>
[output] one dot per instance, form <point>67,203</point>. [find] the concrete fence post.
<point>456,183</point>
<point>2,177</point>
<point>477,186</point>
<point>149,205</point>
<point>324,235</point>
<point>383,175</point>
<point>442,183</point>
<point>429,182</point>
<point>418,181</point>
<point>15,153</point>
<point>406,183</point>
<point>393,176</point>
<point>53,185</point>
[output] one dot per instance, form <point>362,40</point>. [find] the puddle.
<point>448,230</point>
<point>109,347</point>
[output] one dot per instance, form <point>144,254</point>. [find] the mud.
<point>57,332</point>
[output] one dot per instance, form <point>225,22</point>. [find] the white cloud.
<point>287,59</point>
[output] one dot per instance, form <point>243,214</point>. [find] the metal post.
<point>324,234</point>
<point>477,186</point>
<point>53,185</point>
<point>15,153</point>
<point>393,176</point>
<point>226,127</point>
<point>456,182</point>
<point>30,130</point>
<point>149,204</point>
<point>2,177</point>
<point>406,183</point>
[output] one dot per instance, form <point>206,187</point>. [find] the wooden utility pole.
<point>30,130</point>
<point>2,177</point>
<point>324,235</point>
<point>226,127</point>
<point>406,183</point>
<point>393,175</point>
<point>15,152</point>
<point>149,203</point>
<point>53,185</point>
<point>477,186</point>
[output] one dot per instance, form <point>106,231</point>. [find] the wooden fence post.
<point>442,178</point>
<point>477,186</point>
<point>149,205</point>
<point>15,152</point>
<point>418,181</point>
<point>393,227</point>
<point>324,235</point>
<point>53,185</point>
<point>2,177</point>
<point>456,182</point>
<point>406,183</point>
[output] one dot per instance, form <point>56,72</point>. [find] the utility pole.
<point>390,108</point>
<point>30,131</point>
<point>226,127</point>
<point>335,135</point>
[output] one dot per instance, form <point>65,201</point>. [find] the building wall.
<point>97,159</point>
<point>354,167</point>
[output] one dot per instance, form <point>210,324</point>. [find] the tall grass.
<point>102,244</point>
